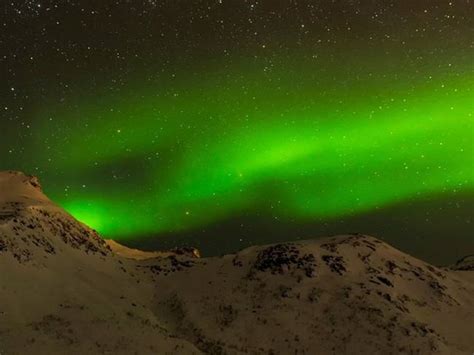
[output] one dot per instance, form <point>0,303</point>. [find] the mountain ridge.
<point>64,289</point>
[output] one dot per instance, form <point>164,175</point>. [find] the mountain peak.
<point>32,227</point>
<point>18,187</point>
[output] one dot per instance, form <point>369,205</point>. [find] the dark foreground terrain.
<point>63,290</point>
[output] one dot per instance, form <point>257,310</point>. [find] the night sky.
<point>221,124</point>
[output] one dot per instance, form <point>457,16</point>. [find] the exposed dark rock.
<point>464,264</point>
<point>187,251</point>
<point>385,281</point>
<point>282,258</point>
<point>335,263</point>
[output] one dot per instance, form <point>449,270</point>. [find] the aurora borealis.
<point>181,116</point>
<point>354,160</point>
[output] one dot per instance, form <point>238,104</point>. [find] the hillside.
<point>65,290</point>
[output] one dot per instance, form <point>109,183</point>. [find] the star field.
<point>221,124</point>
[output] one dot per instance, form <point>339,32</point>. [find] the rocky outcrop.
<point>464,264</point>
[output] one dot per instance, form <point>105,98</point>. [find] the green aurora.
<point>295,142</point>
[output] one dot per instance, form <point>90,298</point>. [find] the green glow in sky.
<point>294,144</point>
